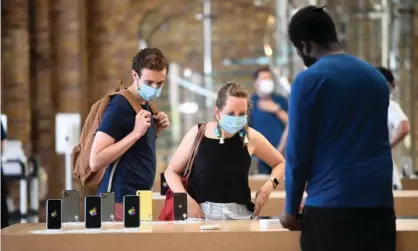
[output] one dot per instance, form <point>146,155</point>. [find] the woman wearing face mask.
<point>218,184</point>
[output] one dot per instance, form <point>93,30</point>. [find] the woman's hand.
<point>262,196</point>
<point>193,209</point>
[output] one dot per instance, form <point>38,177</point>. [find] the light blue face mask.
<point>148,93</point>
<point>233,124</point>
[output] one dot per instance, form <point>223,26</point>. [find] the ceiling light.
<point>188,107</point>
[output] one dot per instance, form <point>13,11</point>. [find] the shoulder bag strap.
<point>195,149</point>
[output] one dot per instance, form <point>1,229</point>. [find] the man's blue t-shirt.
<point>137,167</point>
<point>267,123</point>
<point>338,139</point>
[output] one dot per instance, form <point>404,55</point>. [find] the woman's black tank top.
<point>220,172</point>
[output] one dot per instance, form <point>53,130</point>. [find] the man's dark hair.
<point>259,70</point>
<point>388,75</point>
<point>312,23</point>
<point>151,59</point>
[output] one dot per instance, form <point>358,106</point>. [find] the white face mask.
<point>266,86</point>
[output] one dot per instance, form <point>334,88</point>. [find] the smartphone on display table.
<point>71,206</point>
<point>180,206</point>
<point>131,212</point>
<point>108,207</point>
<point>53,214</point>
<point>93,211</point>
<point>163,184</point>
<point>145,204</point>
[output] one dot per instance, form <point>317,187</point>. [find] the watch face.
<point>276,181</point>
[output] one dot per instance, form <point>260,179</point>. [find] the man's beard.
<point>308,60</point>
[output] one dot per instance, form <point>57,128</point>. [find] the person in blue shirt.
<point>269,112</point>
<point>129,136</point>
<point>338,145</point>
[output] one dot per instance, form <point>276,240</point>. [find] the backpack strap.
<point>152,108</point>
<point>118,86</point>
<point>131,99</point>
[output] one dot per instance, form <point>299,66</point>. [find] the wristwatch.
<point>275,182</point>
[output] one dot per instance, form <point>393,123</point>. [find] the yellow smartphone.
<point>145,204</point>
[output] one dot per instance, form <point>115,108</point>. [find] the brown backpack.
<point>80,156</point>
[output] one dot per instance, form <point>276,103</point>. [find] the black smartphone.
<point>53,214</point>
<point>180,206</point>
<point>163,184</point>
<point>93,211</point>
<point>131,211</point>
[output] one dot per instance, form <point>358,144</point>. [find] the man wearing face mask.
<point>269,112</point>
<point>129,136</point>
<point>398,123</point>
<point>338,145</point>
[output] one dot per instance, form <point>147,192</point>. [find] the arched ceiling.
<point>238,28</point>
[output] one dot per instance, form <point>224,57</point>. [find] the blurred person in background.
<point>4,193</point>
<point>398,123</point>
<point>338,145</point>
<point>269,112</point>
<point>218,186</point>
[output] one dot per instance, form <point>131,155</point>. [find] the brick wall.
<point>15,70</point>
<point>63,60</point>
<point>415,88</point>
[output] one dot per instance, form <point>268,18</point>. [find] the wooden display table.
<point>257,181</point>
<point>158,236</point>
<point>410,184</point>
<point>406,204</point>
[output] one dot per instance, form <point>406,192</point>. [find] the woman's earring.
<point>243,134</point>
<point>218,134</point>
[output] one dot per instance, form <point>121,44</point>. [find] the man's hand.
<point>290,222</point>
<point>162,121</point>
<point>268,106</point>
<point>142,122</point>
